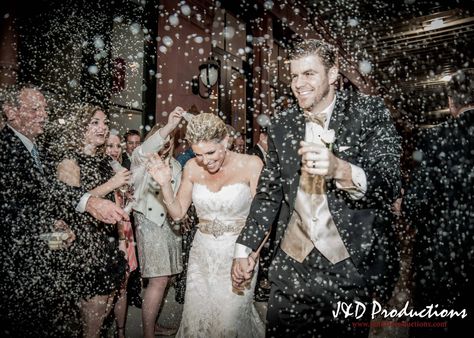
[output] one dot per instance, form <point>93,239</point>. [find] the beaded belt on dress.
<point>217,227</point>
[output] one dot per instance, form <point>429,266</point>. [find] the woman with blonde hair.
<point>114,151</point>
<point>221,185</point>
<point>114,147</point>
<point>98,264</point>
<point>159,244</point>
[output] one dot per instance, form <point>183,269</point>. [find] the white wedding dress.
<point>211,308</point>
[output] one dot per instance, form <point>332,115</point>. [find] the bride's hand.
<point>158,169</point>
<point>242,271</point>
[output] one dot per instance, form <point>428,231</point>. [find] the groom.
<point>332,173</point>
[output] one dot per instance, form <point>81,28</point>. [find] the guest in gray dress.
<point>159,243</point>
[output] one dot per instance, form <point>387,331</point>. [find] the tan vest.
<point>311,224</point>
<point>297,242</point>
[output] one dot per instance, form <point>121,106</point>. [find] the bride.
<point>221,184</point>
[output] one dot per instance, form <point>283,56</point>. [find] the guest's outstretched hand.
<point>105,210</point>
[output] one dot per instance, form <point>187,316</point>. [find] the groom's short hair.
<point>326,51</point>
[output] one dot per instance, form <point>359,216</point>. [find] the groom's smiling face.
<point>312,83</point>
<point>210,154</point>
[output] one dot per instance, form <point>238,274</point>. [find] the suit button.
<point>149,209</point>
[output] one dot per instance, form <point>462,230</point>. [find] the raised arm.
<point>178,205</point>
<point>156,142</point>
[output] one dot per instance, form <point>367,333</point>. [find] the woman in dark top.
<point>96,258</point>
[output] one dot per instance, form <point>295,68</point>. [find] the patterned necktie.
<point>36,158</point>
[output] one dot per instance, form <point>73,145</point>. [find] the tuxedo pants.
<point>304,295</point>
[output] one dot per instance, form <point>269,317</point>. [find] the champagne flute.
<point>123,190</point>
<point>116,166</point>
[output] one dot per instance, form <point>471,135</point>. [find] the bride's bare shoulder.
<point>190,163</point>
<point>192,168</point>
<point>251,162</point>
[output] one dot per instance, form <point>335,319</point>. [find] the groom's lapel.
<point>296,132</point>
<point>338,115</point>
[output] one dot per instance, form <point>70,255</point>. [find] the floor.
<point>170,315</point>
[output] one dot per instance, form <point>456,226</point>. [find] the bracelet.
<point>122,239</point>
<point>168,203</point>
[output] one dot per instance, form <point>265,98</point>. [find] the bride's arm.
<point>178,205</point>
<point>245,259</point>
<point>255,167</point>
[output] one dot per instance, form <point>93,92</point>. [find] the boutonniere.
<point>328,137</point>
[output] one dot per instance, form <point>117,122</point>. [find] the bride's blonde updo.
<point>205,127</point>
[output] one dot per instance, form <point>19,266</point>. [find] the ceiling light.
<point>446,78</point>
<point>435,24</point>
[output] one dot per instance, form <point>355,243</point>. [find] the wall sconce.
<point>208,74</point>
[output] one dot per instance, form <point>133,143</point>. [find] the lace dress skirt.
<point>211,308</point>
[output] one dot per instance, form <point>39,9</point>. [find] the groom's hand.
<point>319,160</point>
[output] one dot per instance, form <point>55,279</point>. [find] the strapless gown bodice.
<point>230,203</point>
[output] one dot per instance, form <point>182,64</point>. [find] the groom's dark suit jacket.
<point>30,201</point>
<point>366,137</point>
